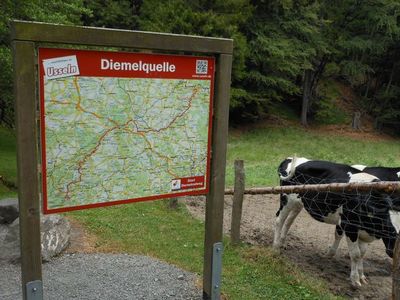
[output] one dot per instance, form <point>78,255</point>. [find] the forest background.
<point>287,53</point>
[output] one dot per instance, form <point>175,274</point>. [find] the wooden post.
<point>215,197</point>
<point>28,183</point>
<point>356,122</point>
<point>173,203</point>
<point>396,272</point>
<point>237,202</point>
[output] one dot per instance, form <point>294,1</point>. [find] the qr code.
<point>201,66</point>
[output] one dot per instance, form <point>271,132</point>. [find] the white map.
<point>110,139</point>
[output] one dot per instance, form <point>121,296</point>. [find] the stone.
<point>55,236</point>
<point>10,249</point>
<point>3,233</point>
<point>8,210</point>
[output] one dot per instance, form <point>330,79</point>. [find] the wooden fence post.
<point>396,271</point>
<point>173,203</point>
<point>237,202</point>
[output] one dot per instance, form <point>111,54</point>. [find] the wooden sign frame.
<point>26,37</point>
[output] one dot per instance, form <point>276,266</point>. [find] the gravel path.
<point>104,276</point>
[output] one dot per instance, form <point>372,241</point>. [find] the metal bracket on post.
<point>216,271</point>
<point>34,290</point>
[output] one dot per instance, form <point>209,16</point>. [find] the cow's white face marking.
<point>359,167</point>
<point>297,161</point>
<point>395,219</point>
<point>398,174</point>
<point>362,177</point>
<point>334,218</point>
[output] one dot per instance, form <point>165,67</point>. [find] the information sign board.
<point>123,127</point>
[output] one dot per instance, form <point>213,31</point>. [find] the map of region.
<point>110,139</point>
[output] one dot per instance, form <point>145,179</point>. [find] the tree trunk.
<point>306,97</point>
<point>356,123</point>
<point>390,81</point>
<point>310,82</point>
<point>367,89</point>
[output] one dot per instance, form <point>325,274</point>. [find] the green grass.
<point>263,149</point>
<point>249,272</point>
<point>174,236</point>
<point>8,163</point>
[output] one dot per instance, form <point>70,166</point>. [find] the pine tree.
<point>56,11</point>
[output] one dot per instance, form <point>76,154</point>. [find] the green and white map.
<point>110,139</point>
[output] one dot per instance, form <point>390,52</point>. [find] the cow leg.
<point>286,207</point>
<point>363,249</point>
<point>355,258</point>
<point>389,245</point>
<point>280,220</point>
<point>338,237</point>
<point>297,206</point>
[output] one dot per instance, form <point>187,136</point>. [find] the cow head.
<point>287,168</point>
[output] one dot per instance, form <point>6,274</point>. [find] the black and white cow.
<point>365,218</point>
<point>361,217</point>
<point>384,174</point>
<point>322,206</point>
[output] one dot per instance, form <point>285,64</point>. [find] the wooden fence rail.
<point>384,186</point>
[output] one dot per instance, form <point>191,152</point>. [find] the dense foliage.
<point>55,11</point>
<point>284,49</point>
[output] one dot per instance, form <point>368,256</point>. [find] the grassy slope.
<point>263,149</point>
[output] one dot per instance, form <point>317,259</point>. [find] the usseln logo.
<point>60,67</point>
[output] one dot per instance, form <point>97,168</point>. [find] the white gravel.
<point>104,276</point>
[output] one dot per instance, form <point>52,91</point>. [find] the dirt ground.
<point>306,245</point>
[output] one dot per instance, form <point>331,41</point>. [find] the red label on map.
<point>187,183</point>
<point>132,65</point>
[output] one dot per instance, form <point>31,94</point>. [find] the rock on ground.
<point>55,236</point>
<point>8,210</point>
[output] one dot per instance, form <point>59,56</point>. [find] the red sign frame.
<point>124,65</point>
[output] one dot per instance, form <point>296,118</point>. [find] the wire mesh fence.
<point>362,209</point>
